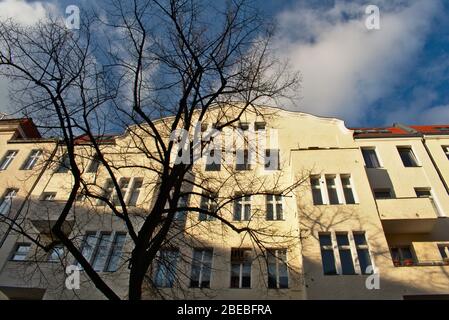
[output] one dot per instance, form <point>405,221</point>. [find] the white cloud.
<point>346,67</point>
<point>26,13</point>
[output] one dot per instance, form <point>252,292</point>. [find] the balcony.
<point>407,215</point>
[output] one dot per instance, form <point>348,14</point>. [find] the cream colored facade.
<point>310,147</point>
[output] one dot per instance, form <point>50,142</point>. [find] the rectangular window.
<point>446,151</point>
<point>316,190</point>
<point>242,208</point>
<point>272,161</point>
<point>243,163</point>
<point>64,164</point>
<point>166,268</point>
<point>56,254</point>
<point>274,207</point>
<point>347,189</point>
<point>277,268</point>
<point>116,252</point>
<point>213,164</point>
<point>110,192</point>
<point>408,157</point>
<point>344,250</point>
<point>259,126</point>
<point>332,190</point>
<point>327,254</point>
<point>135,191</point>
<point>423,192</point>
<point>402,256</point>
<point>209,204</point>
<point>48,196</point>
<point>382,193</point>
<point>101,252</point>
<point>7,159</point>
<point>201,268</point>
<point>94,164</point>
<point>370,157</point>
<point>363,253</point>
<point>183,202</point>
<point>32,159</point>
<point>6,201</point>
<point>241,268</point>
<point>21,252</point>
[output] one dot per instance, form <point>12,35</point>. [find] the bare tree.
<point>148,68</point>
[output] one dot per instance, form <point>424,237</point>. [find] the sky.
<point>399,73</point>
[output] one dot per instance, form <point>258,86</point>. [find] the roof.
<point>24,128</point>
<point>401,130</point>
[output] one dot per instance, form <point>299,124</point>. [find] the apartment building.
<point>368,220</point>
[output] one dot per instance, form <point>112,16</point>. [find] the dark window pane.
<point>325,240</point>
<point>347,265</point>
<point>370,157</point>
<point>328,260</point>
<point>364,260</point>
<point>408,158</point>
<point>317,197</point>
<point>349,196</point>
<point>342,240</point>
<point>235,275</point>
<point>359,239</point>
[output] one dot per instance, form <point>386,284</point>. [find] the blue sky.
<point>399,73</point>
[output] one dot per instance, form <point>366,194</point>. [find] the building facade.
<point>357,213</point>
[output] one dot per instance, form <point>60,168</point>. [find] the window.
<point>21,251</point>
<point>370,157</point>
<point>327,254</point>
<point>243,164</point>
<point>382,193</point>
<point>444,251</point>
<point>446,151</point>
<point>344,250</point>
<point>347,189</point>
<point>94,164</point>
<point>135,191</point>
<point>402,256</point>
<point>272,159</point>
<point>209,204</point>
<point>56,254</point>
<point>6,201</point>
<point>201,268</point>
<point>277,268</point>
<point>183,202</point>
<point>274,207</point>
<point>32,160</point>
<point>363,253</point>
<point>213,164</point>
<point>64,164</point>
<point>423,192</point>
<point>116,252</point>
<point>166,268</point>
<point>48,196</point>
<point>259,126</point>
<point>242,208</point>
<point>408,157</point>
<point>101,252</point>
<point>7,159</point>
<point>332,190</point>
<point>241,268</point>
<point>316,190</point>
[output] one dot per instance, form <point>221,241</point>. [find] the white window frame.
<point>351,186</point>
<point>202,263</point>
<point>417,161</point>
<point>278,262</point>
<point>8,196</point>
<point>273,203</point>
<point>32,159</point>
<point>379,160</point>
<point>354,246</point>
<point>7,159</point>
<point>337,186</point>
<point>48,196</point>
<point>446,151</point>
<point>95,249</point>
<point>241,264</point>
<point>16,250</point>
<point>243,202</point>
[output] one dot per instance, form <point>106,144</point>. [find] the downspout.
<point>446,187</point>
